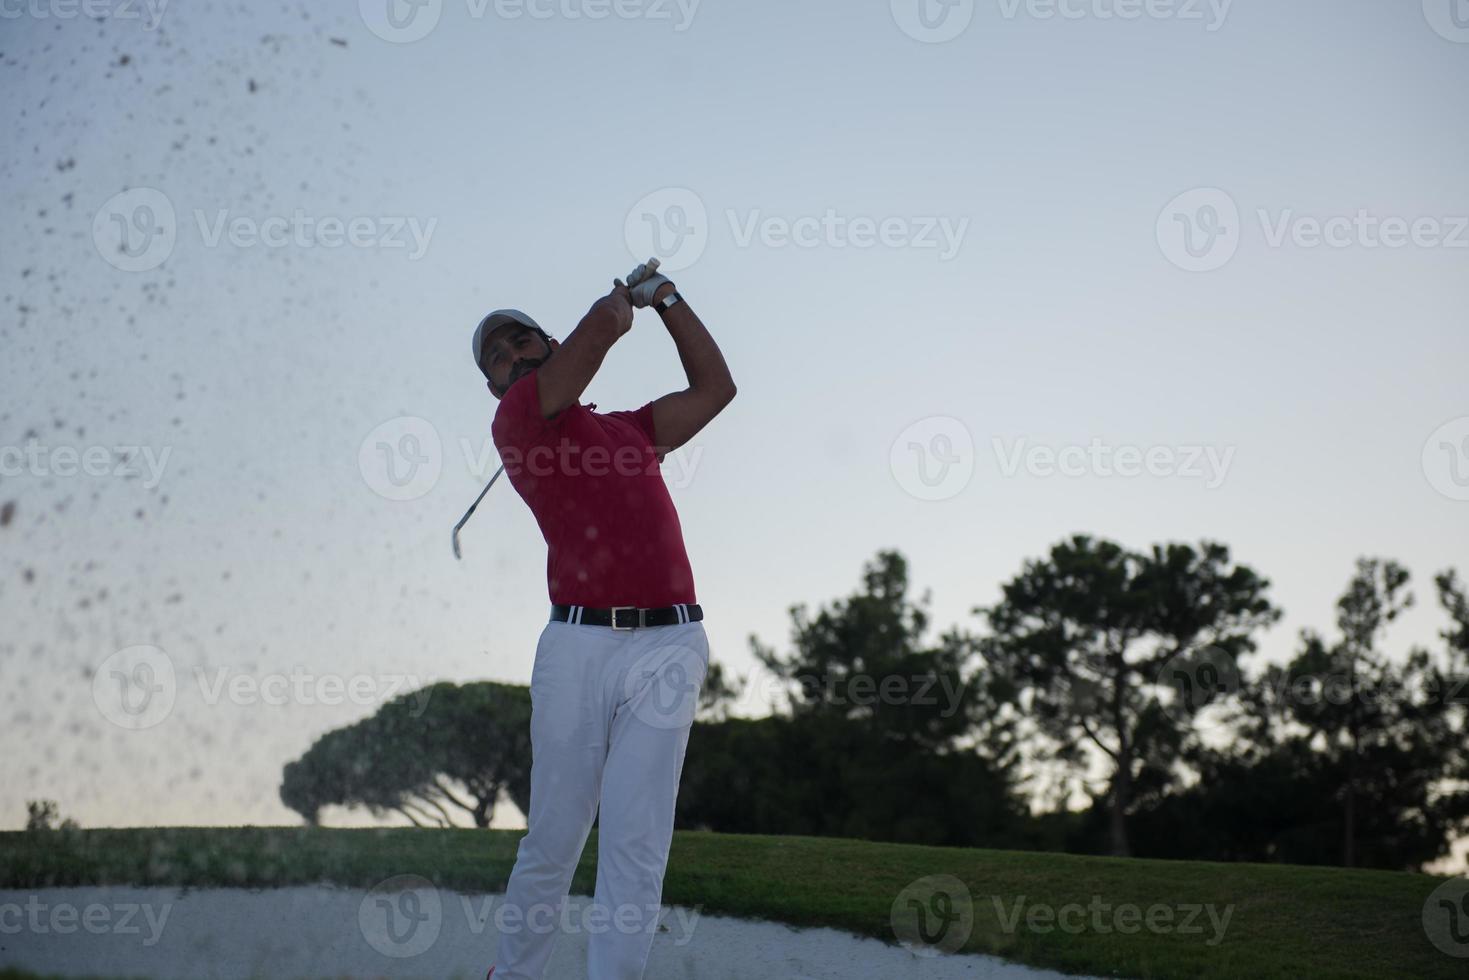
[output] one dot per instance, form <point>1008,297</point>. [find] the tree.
<point>824,775</point>
<point>1386,732</point>
<point>890,736</point>
<point>864,659</point>
<point>44,815</point>
<point>1093,639</point>
<point>719,691</point>
<point>429,755</point>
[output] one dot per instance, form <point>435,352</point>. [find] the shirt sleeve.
<point>518,420</point>
<point>642,418</point>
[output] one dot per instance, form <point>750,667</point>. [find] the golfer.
<point>619,666</point>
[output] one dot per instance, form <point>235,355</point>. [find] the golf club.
<point>472,506</point>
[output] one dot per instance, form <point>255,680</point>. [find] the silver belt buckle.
<point>642,620</point>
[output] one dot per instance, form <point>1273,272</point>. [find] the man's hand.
<point>646,282</point>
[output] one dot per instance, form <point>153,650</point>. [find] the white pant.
<point>610,717</point>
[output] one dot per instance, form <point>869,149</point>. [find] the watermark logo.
<point>1449,18</point>
<point>1446,459</point>
<point>1446,917</point>
<point>1103,918</point>
<point>301,230</point>
<point>1212,13</point>
<point>833,230</point>
<point>401,21</point>
<point>149,11</point>
<point>933,915</point>
<point>1362,230</point>
<point>36,459</point>
<point>662,686</point>
<point>402,458</point>
<point>933,21</point>
<point>305,688</point>
<point>933,459</point>
<point>401,917</point>
<point>1099,459</point>
<point>41,918</point>
<point>135,230</point>
<point>135,688</point>
<point>672,224</point>
<point>1199,230</point>
<point>406,21</point>
<point>1196,680</point>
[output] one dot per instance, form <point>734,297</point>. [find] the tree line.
<point>1106,704</point>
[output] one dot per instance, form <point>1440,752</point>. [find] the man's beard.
<point>523,368</point>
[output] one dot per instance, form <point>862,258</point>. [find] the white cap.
<point>493,322</point>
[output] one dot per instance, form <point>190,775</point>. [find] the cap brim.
<point>495,321</point>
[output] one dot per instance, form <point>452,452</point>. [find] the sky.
<point>986,275</point>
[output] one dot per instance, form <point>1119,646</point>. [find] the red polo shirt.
<point>593,483</point>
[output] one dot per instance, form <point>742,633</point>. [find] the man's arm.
<point>679,415</point>
<point>564,377</point>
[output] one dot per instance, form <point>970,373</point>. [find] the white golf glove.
<point>644,283</point>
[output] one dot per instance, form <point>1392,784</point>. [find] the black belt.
<point>627,617</point>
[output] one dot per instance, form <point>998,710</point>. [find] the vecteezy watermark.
<point>137,230</point>
<point>36,459</point>
<point>933,459</point>
<point>1446,917</point>
<point>39,918</point>
<point>568,458</point>
<point>301,230</point>
<point>403,917</point>
<point>933,21</point>
<point>1201,230</point>
<point>1100,917</point>
<point>577,916</point>
<point>936,21</point>
<point>1449,18</point>
<point>1098,459</point>
<point>305,687</point>
<point>672,223</point>
<point>1342,686</point>
<point>663,685</point>
<point>1211,13</point>
<point>833,230</point>
<point>135,688</point>
<point>406,21</point>
<point>402,458</point>
<point>1446,458</point>
<point>933,915</point>
<point>1197,680</point>
<point>150,12</point>
<point>864,690</point>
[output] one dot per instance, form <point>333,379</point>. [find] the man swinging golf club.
<point>618,668</point>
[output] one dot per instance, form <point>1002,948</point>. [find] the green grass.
<point>1286,922</point>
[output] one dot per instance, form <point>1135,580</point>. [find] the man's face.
<point>511,353</point>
